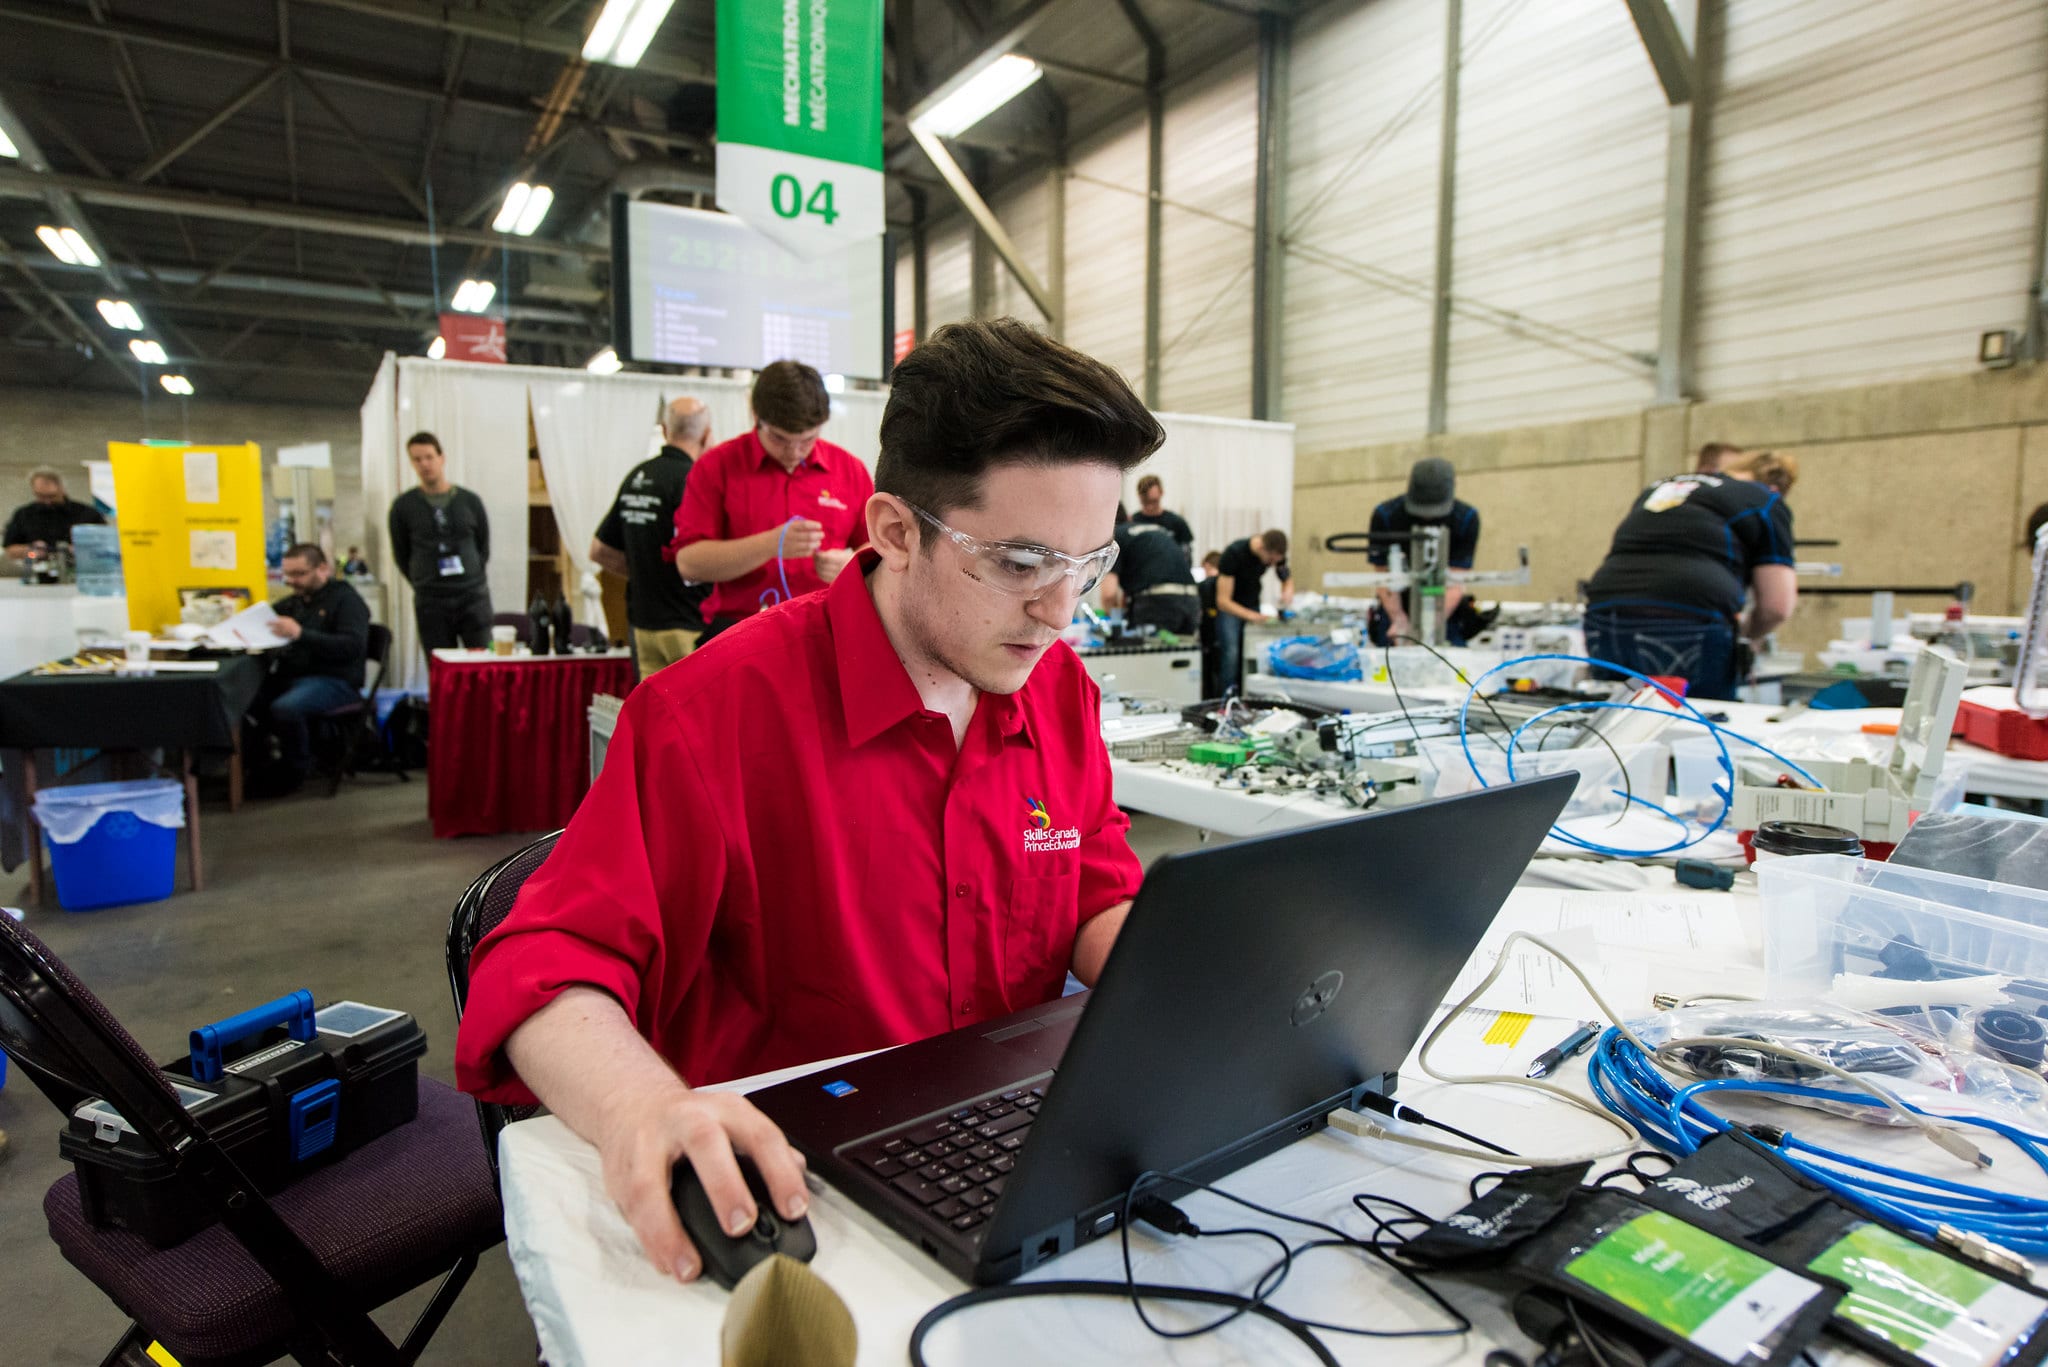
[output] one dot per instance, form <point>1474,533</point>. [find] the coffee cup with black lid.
<point>1796,839</point>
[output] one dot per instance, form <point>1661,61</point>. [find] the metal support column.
<point>1675,49</point>
<point>2034,339</point>
<point>1268,210</point>
<point>1446,220</point>
<point>920,262</point>
<point>1056,245</point>
<point>984,218</point>
<point>1155,202</point>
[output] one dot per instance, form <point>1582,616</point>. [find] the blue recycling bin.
<point>112,844</point>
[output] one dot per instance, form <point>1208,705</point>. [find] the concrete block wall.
<point>1922,482</point>
<point>65,429</point>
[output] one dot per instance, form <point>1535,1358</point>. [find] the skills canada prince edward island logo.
<point>1040,834</point>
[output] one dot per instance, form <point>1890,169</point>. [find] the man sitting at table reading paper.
<point>866,816</point>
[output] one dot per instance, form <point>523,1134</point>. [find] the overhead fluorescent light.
<point>525,206</point>
<point>623,30</point>
<point>121,314</point>
<point>473,296</point>
<point>177,384</point>
<point>148,352</point>
<point>606,362</point>
<point>437,348</point>
<point>990,88</point>
<point>7,147</point>
<point>67,246</point>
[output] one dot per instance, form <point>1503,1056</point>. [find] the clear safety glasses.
<point>1022,569</point>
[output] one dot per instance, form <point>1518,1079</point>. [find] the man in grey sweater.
<point>441,539</point>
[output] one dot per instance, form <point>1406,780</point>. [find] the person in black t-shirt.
<point>1152,513</point>
<point>1151,578</point>
<point>665,613</point>
<point>48,518</point>
<point>1244,563</point>
<point>1668,599</point>
<point>1431,501</point>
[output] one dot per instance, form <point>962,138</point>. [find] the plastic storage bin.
<point>1444,768</point>
<point>1829,917</point>
<point>112,843</point>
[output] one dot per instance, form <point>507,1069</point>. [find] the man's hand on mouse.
<point>642,1140</point>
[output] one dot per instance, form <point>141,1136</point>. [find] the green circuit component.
<point>1227,754</point>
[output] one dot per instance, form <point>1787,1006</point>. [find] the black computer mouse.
<point>727,1259</point>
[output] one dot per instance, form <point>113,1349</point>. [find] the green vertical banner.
<point>800,119</point>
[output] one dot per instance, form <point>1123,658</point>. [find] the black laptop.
<point>1255,988</point>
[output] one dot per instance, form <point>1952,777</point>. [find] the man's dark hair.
<point>424,439</point>
<point>1714,452</point>
<point>1274,540</point>
<point>986,393</point>
<point>1150,482</point>
<point>308,552</point>
<point>790,395</point>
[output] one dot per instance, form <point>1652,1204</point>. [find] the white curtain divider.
<point>381,461</point>
<point>591,430</point>
<point>1229,477</point>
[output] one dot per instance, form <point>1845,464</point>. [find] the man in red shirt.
<point>880,812</point>
<point>775,512</point>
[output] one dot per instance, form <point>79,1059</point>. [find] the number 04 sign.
<point>800,118</point>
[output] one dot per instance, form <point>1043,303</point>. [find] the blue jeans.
<point>1229,653</point>
<point>1700,651</point>
<point>305,697</point>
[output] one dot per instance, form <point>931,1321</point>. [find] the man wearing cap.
<point>1431,501</point>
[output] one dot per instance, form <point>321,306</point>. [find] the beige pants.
<point>655,651</point>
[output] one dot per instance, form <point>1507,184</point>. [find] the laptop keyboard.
<point>955,1167</point>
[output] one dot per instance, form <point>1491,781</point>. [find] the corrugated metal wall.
<point>1558,237</point>
<point>949,271</point>
<point>1867,209</point>
<point>1106,250</point>
<point>1365,104</point>
<point>1869,192</point>
<point>1022,212</point>
<point>1205,307</point>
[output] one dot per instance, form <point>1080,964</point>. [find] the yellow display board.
<point>191,519</point>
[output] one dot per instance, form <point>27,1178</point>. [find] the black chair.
<point>477,913</point>
<point>292,1274</point>
<point>350,731</point>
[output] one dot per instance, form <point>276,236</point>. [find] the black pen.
<point>1577,1042</point>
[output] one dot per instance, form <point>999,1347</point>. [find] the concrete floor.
<point>348,897</point>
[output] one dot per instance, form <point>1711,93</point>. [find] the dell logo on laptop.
<point>1317,999</point>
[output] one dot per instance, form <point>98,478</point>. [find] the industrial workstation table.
<point>595,1299</point>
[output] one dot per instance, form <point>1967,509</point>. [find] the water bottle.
<point>563,621</point>
<point>543,625</point>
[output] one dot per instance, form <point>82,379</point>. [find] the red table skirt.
<point>509,744</point>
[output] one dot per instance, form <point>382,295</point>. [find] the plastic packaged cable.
<point>1910,1301</point>
<point>1712,1299</point>
<point>1926,1057</point>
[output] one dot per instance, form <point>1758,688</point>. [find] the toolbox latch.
<point>315,1116</point>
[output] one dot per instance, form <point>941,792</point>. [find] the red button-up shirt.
<point>785,857</point>
<point>737,489</point>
